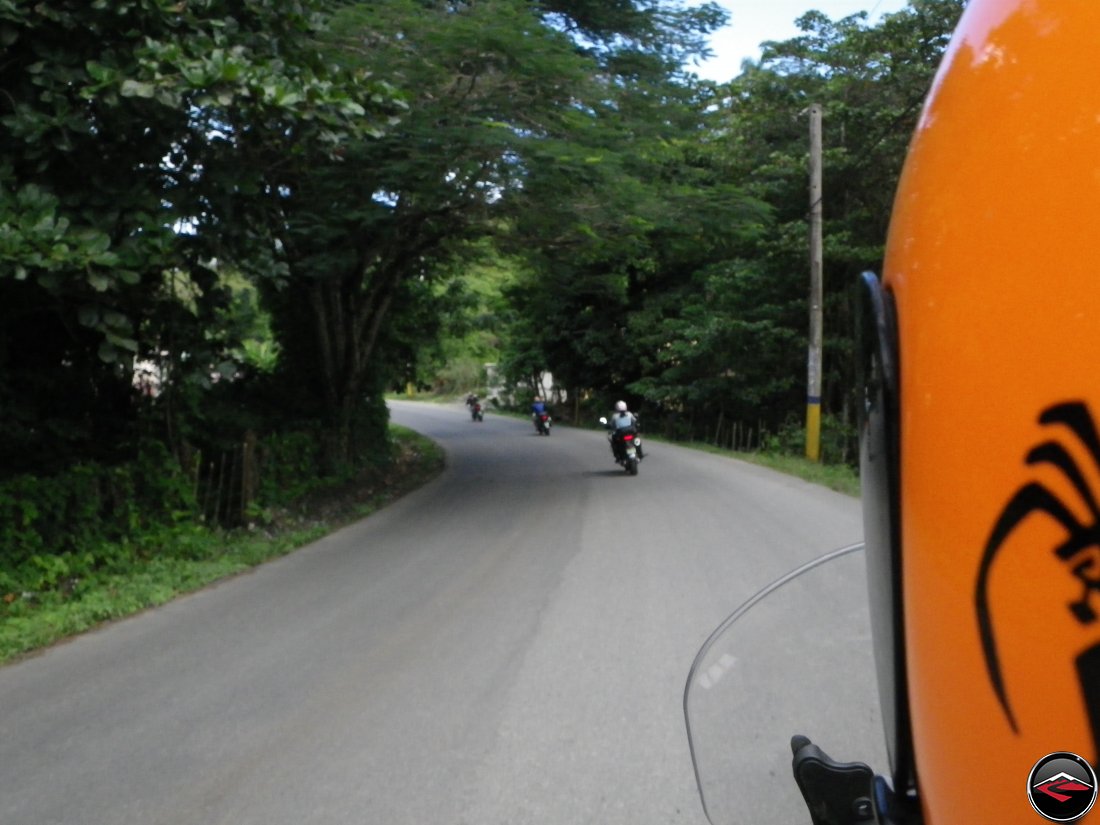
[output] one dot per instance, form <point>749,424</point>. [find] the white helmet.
<point>620,406</point>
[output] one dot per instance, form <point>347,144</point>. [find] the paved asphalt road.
<point>507,645</point>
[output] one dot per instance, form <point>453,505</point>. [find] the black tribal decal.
<point>1035,498</point>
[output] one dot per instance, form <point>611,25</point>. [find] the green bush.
<point>837,440</point>
<point>75,511</point>
<point>459,376</point>
<point>289,465</point>
<point>50,595</point>
<point>59,531</point>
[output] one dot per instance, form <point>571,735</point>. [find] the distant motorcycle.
<point>626,447</point>
<point>475,411</point>
<point>542,423</point>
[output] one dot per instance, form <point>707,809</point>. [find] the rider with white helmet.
<point>624,419</point>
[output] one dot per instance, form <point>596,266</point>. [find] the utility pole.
<point>813,384</point>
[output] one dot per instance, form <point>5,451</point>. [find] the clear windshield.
<point>794,659</point>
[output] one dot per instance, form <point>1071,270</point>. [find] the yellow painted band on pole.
<point>813,431</point>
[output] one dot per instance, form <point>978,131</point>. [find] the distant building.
<point>543,385</point>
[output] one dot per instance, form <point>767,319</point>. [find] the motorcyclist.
<point>622,421</point>
<point>538,408</point>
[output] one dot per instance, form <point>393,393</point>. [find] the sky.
<point>754,21</point>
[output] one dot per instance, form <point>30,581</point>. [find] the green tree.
<point>499,98</point>
<point>870,81</point>
<point>116,185</point>
<point>610,259</point>
<point>688,287</point>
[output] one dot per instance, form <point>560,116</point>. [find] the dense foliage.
<point>694,306</point>
<point>228,222</point>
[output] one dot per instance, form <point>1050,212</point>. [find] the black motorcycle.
<point>626,447</point>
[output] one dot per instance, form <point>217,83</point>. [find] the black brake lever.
<point>837,793</point>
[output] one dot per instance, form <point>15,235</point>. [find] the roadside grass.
<point>839,477</point>
<point>157,568</point>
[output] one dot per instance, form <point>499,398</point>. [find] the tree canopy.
<point>219,215</point>
<point>698,310</point>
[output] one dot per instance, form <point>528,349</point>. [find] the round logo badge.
<point>1062,787</point>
